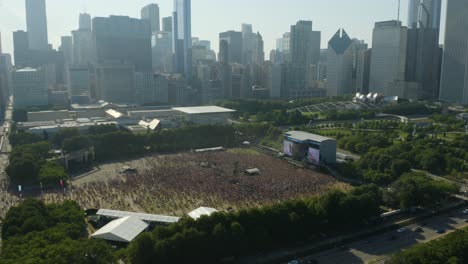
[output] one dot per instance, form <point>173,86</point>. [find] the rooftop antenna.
<point>399,3</point>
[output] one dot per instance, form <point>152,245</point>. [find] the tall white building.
<point>340,64</point>
<point>454,79</point>
<point>29,88</point>
<point>388,59</point>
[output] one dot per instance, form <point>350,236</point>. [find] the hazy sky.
<point>209,17</point>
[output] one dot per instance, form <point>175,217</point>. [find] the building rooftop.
<point>114,114</point>
<point>121,230</point>
<point>27,69</point>
<point>197,213</point>
<point>203,110</point>
<point>304,136</point>
<point>145,217</point>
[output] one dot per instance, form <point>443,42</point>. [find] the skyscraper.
<point>67,48</point>
<point>304,52</point>
<point>340,64</point>
<point>388,61</point>
<point>234,42</point>
<point>123,40</point>
<point>167,24</point>
<point>424,13</point>
<point>182,37</point>
<point>30,88</point>
<point>21,47</point>
<point>454,79</point>
<point>247,43</point>
<point>258,53</point>
<point>85,21</point>
<point>151,14</point>
<point>84,52</point>
<point>423,52</point>
<point>36,22</point>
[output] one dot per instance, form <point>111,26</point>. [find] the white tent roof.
<point>197,213</point>
<point>145,217</point>
<point>121,230</point>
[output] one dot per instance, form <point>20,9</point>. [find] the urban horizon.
<point>360,28</point>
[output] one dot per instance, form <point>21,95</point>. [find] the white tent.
<point>121,230</point>
<point>197,213</point>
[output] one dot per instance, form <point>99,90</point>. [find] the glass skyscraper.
<point>454,79</point>
<point>182,37</point>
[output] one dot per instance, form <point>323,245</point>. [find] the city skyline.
<point>360,27</point>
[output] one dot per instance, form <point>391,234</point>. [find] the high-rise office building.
<point>84,52</point>
<point>304,52</point>
<point>67,48</point>
<point>234,49</point>
<point>115,83</point>
<point>247,43</point>
<point>162,52</point>
<point>205,43</point>
<point>85,21</point>
<point>424,13</point>
<point>79,85</point>
<point>182,37</point>
<point>167,24</point>
<point>454,78</point>
<point>340,64</point>
<point>305,44</point>
<point>36,22</point>
<point>151,14</point>
<point>123,40</point>
<point>258,53</point>
<point>6,70</point>
<point>388,61</point>
<point>30,88</point>
<point>21,47</point>
<point>363,71</point>
<point>423,51</point>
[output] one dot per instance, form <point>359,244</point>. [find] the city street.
<point>378,248</point>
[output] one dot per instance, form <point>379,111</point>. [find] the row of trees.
<point>451,249</point>
<point>384,161</point>
<point>33,232</point>
<point>416,189</point>
<point>28,165</point>
<point>223,235</point>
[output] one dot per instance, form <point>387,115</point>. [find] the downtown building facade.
<point>30,88</point>
<point>454,78</point>
<point>182,37</point>
<point>424,55</point>
<point>388,59</point>
<point>340,64</point>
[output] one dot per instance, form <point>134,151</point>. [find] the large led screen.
<point>314,156</point>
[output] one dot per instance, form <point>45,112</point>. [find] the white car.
<point>465,211</point>
<point>401,230</point>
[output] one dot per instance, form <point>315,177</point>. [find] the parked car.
<point>401,230</point>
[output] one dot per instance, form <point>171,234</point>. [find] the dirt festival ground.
<point>177,184</point>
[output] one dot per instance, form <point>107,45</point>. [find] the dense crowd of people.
<point>176,184</point>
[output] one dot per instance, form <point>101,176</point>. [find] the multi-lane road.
<point>378,248</point>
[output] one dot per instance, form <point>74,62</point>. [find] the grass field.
<point>177,184</point>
